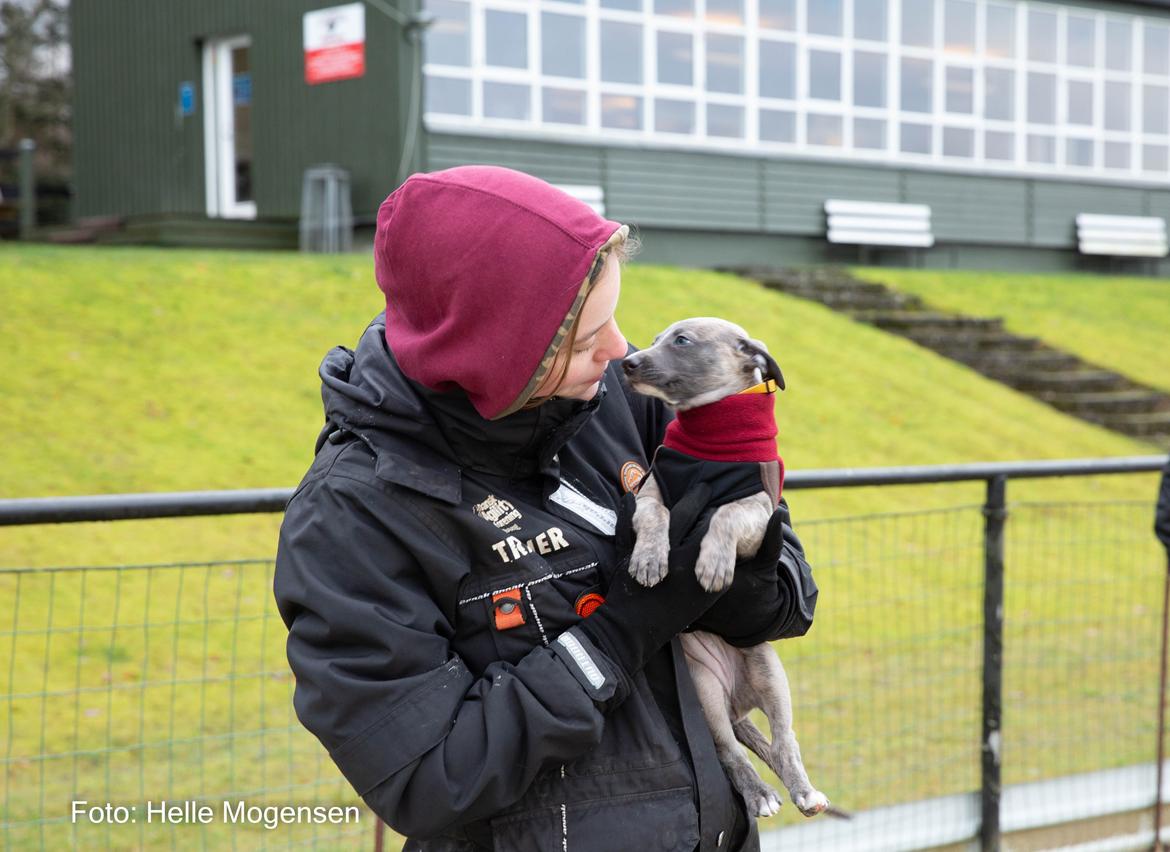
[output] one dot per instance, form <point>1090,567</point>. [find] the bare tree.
<point>36,82</point>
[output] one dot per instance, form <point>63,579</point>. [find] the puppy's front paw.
<point>811,803</point>
<point>650,559</point>
<point>762,802</point>
<point>714,567</point>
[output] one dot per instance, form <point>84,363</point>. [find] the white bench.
<point>594,196</point>
<point>1125,236</point>
<point>871,223</point>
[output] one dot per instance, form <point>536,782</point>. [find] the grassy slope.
<point>1120,323</point>
<point>142,370</point>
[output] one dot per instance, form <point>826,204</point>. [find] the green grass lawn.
<point>1119,323</point>
<point>143,370</point>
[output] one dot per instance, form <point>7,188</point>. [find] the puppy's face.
<point>698,361</point>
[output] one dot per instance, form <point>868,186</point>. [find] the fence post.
<point>994,515</point>
<point>1158,845</point>
<point>28,189</point>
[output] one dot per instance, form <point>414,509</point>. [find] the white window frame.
<point>801,105</point>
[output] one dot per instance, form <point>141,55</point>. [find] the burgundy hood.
<point>484,271</point>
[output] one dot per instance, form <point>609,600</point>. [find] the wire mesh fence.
<point>135,685</point>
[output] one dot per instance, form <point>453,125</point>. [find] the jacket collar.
<point>424,439</point>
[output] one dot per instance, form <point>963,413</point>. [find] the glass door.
<point>227,82</point>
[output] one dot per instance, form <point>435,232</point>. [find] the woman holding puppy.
<point>466,640</point>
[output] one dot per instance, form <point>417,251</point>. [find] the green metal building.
<point>720,128</point>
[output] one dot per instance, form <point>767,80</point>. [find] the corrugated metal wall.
<point>135,154</point>
<point>713,192</point>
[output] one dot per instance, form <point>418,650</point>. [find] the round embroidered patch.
<point>632,475</point>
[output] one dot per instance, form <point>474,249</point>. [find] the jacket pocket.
<point>661,821</point>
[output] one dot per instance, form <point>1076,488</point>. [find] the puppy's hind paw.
<point>811,803</point>
<point>763,803</point>
<point>648,564</point>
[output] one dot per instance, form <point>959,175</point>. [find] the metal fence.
<point>977,671</point>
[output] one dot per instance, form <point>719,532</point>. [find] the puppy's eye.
<point>682,340</point>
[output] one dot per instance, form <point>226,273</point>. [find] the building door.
<point>227,129</point>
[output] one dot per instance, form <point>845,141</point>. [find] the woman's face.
<point>599,340</point>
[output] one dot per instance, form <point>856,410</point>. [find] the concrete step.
<point>1060,381</point>
<point>1146,425</point>
<point>962,343</point>
<point>1044,358</point>
<point>841,299</point>
<point>1107,402</point>
<point>904,321</point>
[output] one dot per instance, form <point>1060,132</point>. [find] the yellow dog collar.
<point>768,386</point>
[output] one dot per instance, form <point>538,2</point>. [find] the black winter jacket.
<point>429,569</point>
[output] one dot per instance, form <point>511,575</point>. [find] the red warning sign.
<point>335,43</point>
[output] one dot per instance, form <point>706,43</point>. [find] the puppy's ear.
<point>760,359</point>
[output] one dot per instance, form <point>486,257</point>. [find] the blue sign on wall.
<point>187,99</point>
<point>242,89</point>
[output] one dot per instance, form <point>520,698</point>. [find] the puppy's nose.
<point>631,362</point>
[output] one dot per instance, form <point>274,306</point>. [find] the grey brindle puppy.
<point>692,363</point>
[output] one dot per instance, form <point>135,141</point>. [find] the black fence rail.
<point>988,670</point>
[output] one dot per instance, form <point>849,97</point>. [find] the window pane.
<point>825,130</point>
<point>621,52</point>
<point>998,145</point>
<point>506,100</point>
<point>447,41</point>
<point>1079,152</point>
<point>448,96</point>
<point>621,112</point>
<point>1116,106</point>
<point>915,138</point>
<point>1041,149</point>
<point>672,116</point>
<point>725,64</point>
<point>1155,48</point>
<point>869,79</point>
<point>778,14</point>
<point>1080,102</point>
<point>562,45</point>
<point>627,5</point>
<point>725,121</point>
<point>725,11</point>
<point>505,36</point>
<point>563,106</point>
<point>1041,35</point>
<point>676,58</point>
<point>824,75</point>
<point>1082,47</point>
<point>869,133</point>
<point>959,24</point>
<point>960,93</point>
<point>1154,158</point>
<point>869,19</point>
<point>1117,155</point>
<point>1154,109</point>
<point>777,125</point>
<point>824,17</point>
<point>675,8</point>
<point>1118,44</point>
<point>999,96</point>
<point>918,23</point>
<point>958,142</point>
<point>1041,98</point>
<point>777,69</point>
<point>1001,31</point>
<point>916,89</point>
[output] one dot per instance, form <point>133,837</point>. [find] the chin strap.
<point>766,386</point>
